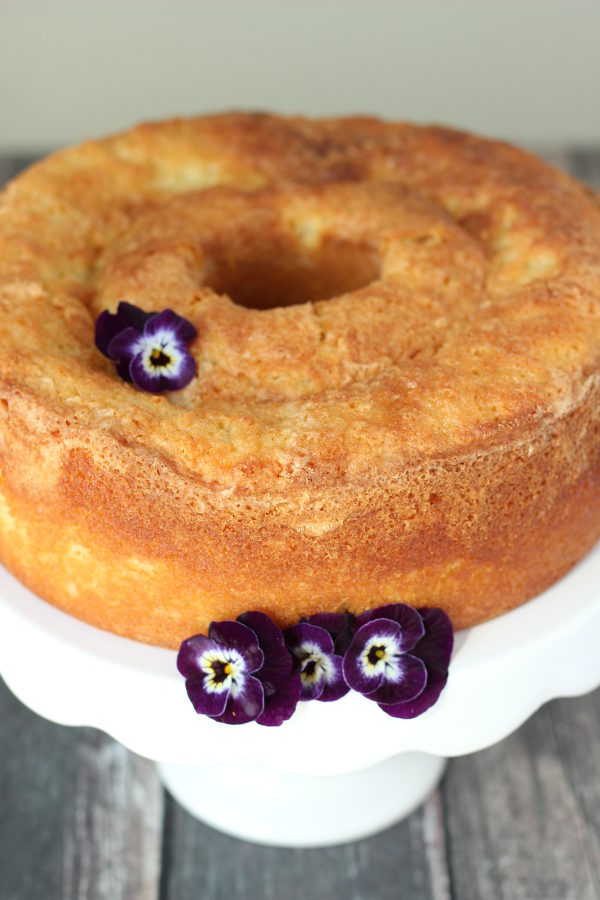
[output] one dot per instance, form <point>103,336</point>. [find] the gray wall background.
<point>526,70</point>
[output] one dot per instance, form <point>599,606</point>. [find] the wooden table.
<point>81,818</point>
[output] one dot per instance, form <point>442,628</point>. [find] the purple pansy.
<point>249,670</point>
<point>378,662</point>
<point>281,685</point>
<point>109,325</point>
<point>150,349</point>
<point>399,658</point>
<point>220,673</point>
<point>339,625</point>
<point>320,667</point>
<point>435,649</point>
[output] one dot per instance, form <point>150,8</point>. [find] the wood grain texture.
<point>80,816</point>
<point>406,862</point>
<point>523,817</point>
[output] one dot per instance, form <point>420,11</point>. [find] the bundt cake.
<point>397,388</point>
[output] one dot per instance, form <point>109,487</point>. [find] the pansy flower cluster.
<point>149,349</point>
<point>252,671</point>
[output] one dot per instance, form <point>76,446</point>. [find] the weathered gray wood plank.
<point>523,817</point>
<point>519,821</point>
<point>522,822</point>
<point>80,816</point>
<point>404,863</point>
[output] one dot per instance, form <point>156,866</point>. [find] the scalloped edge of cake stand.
<point>501,673</point>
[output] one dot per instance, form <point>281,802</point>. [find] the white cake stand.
<point>336,771</point>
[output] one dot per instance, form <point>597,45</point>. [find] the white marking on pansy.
<point>224,670</point>
<point>153,347</point>
<point>322,667</point>
<point>382,654</point>
<point>237,684</point>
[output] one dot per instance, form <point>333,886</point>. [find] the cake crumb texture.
<point>398,383</point>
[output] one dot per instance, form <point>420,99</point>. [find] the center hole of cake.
<point>263,274</point>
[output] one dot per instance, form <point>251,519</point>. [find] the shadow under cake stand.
<point>336,771</point>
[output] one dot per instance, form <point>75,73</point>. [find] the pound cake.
<point>396,396</point>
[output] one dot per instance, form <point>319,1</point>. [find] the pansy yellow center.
<point>380,654</point>
<point>315,665</point>
<point>158,358</point>
<point>224,671</point>
<point>311,670</point>
<point>376,653</point>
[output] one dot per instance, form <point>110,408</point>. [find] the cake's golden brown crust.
<point>403,404</point>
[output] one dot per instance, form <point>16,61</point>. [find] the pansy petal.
<point>335,685</point>
<point>182,375</point>
<point>105,330</point>
<point>411,681</point>
<point>108,324</point>
<point>281,704</point>
<point>410,709</point>
<point>181,329</point>
<point>125,344</point>
<point>354,671</point>
<point>190,653</point>
<point>312,688</point>
<point>361,676</point>
<point>123,370</point>
<point>246,706</point>
<point>277,665</point>
<point>142,378</point>
<point>207,703</point>
<point>157,380</point>
<point>239,637</point>
<point>262,625</point>
<point>134,316</point>
<point>303,633</point>
<point>339,625</point>
<point>408,618</point>
<point>435,648</point>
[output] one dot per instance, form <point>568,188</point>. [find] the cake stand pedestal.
<point>258,803</point>
<point>336,771</point>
